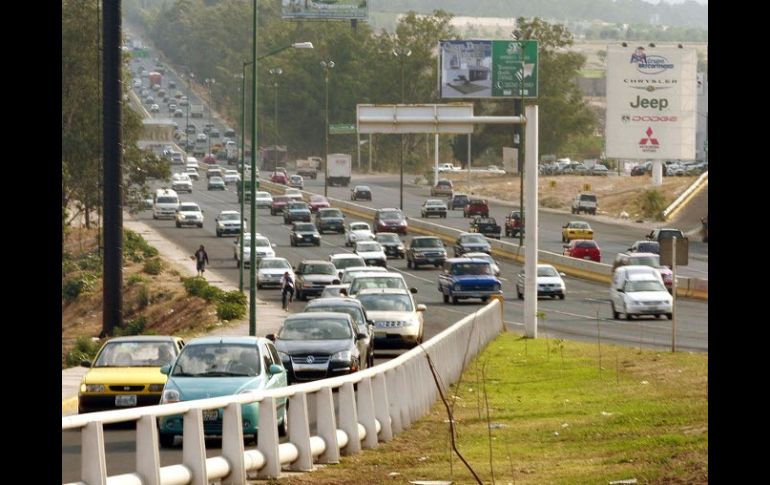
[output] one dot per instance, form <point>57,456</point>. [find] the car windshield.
<point>168,200</point>
<point>189,208</point>
<point>263,195</point>
<point>387,238</point>
<point>483,256</point>
<point>362,188</point>
<point>361,226</point>
<point>306,227</point>
<point>274,263</point>
<point>471,269</point>
<point>217,360</point>
<point>579,225</point>
<point>229,217</point>
<point>364,282</point>
<point>653,261</point>
<point>461,198</point>
<point>332,213</point>
<point>315,329</point>
<point>668,234</point>
<point>318,268</point>
<point>135,354</point>
<point>281,199</point>
<point>427,243</point>
<point>368,246</point>
<point>355,313</point>
<point>386,303</point>
<point>432,203</point>
<point>472,238</point>
<point>586,244</point>
<point>318,198</point>
<point>546,271</point>
<point>342,263</point>
<point>590,198</point>
<point>391,216</point>
<point>297,205</point>
<point>646,285</point>
<point>261,242</point>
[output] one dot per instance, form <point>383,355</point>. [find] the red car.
<point>279,178</point>
<point>476,207</point>
<point>318,202</point>
<point>279,202</point>
<point>210,159</point>
<point>583,249</point>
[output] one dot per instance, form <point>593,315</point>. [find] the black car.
<point>487,226</point>
<point>458,201</point>
<point>315,346</point>
<point>313,276</point>
<point>304,233</point>
<point>296,211</point>
<point>330,220</point>
<point>470,243</point>
<point>360,192</point>
<point>645,247</point>
<point>391,244</point>
<point>425,250</point>
<point>356,310</point>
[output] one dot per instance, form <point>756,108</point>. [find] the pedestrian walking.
<point>287,288</point>
<point>201,260</point>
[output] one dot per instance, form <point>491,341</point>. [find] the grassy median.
<point>553,411</point>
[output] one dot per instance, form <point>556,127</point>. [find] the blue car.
<point>222,366</point>
<point>468,278</point>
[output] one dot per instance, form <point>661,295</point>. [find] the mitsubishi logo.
<point>653,141</point>
<point>310,359</point>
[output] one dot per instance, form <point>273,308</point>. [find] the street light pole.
<point>253,215</point>
<point>275,71</point>
<point>326,65</point>
<point>401,54</point>
<point>243,175</point>
<point>209,82</point>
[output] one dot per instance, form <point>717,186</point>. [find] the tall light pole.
<point>401,53</point>
<point>243,175</point>
<point>209,82</point>
<point>275,72</point>
<point>326,65</point>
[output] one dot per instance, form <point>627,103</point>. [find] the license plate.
<point>125,400</point>
<point>210,415</point>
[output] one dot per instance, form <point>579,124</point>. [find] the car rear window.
<point>589,198</point>
<point>586,244</point>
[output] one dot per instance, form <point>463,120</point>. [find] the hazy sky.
<point>702,2</point>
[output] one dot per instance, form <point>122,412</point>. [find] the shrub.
<point>212,293</point>
<point>136,248</point>
<point>195,285</point>
<point>91,262</point>
<point>230,311</point>
<point>652,203</point>
<point>234,296</point>
<point>133,327</point>
<point>143,299</point>
<point>77,285</point>
<point>85,349</point>
<point>153,266</point>
<point>135,279</point>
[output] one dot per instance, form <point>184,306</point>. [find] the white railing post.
<point>267,438</point>
<point>299,431</point>
<point>365,404</point>
<point>392,389</point>
<point>381,406</point>
<point>93,466</point>
<point>194,446</point>
<point>147,454</point>
<point>326,425</point>
<point>348,419</point>
<point>232,444</point>
<point>404,397</point>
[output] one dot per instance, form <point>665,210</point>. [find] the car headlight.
<point>93,388</point>
<point>155,387</point>
<point>457,287</point>
<point>400,248</point>
<point>169,396</point>
<point>344,356</point>
<point>496,287</point>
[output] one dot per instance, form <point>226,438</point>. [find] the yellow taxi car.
<point>126,373</point>
<point>576,230</point>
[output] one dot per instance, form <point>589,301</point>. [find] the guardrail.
<point>590,270</point>
<point>685,196</point>
<point>373,405</point>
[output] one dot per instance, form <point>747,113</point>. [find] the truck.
<point>196,110</point>
<point>309,167</point>
<point>513,224</point>
<point>339,166</point>
<point>486,226</point>
<point>231,151</point>
<point>448,167</point>
<point>155,78</point>
<point>272,156</point>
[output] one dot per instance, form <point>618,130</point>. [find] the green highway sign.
<point>514,70</point>
<point>342,129</point>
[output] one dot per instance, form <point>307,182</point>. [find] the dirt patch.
<point>615,194</point>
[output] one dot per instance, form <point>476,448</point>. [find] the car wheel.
<point>484,299</point>
<point>519,294</point>
<point>669,315</point>
<point>283,428</point>
<point>166,440</point>
<point>446,297</point>
<point>318,243</point>
<point>562,296</point>
<point>200,225</point>
<point>615,314</point>
<point>409,263</point>
<point>629,316</point>
<point>454,300</point>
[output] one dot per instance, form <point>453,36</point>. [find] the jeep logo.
<point>659,104</point>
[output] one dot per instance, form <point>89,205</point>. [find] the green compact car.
<point>221,366</point>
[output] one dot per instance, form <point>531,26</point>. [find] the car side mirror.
<point>421,307</point>
<point>562,273</point>
<point>165,369</point>
<point>85,363</point>
<point>340,274</point>
<point>361,336</point>
<point>273,245</point>
<point>275,369</point>
<point>413,290</point>
<point>270,337</point>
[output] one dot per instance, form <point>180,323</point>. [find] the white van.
<point>181,182</point>
<point>639,290</point>
<point>164,204</point>
<point>192,162</point>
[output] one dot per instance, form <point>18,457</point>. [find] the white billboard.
<point>651,102</point>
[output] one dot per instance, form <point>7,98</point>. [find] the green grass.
<point>644,415</point>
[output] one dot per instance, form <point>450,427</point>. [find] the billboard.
<point>487,69</point>
<point>325,9</point>
<point>651,102</point>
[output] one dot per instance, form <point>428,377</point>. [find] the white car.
<point>349,273</point>
<point>342,261</point>
<point>271,271</point>
<point>549,282</point>
<point>639,290</point>
<point>394,314</point>
<point>181,182</point>
<point>296,181</point>
<point>495,169</point>
<point>372,253</point>
<point>263,200</point>
<point>358,231</point>
<point>293,192</point>
<point>232,177</point>
<point>201,137</point>
<point>364,280</point>
<point>229,222</point>
<point>264,249</point>
<point>154,108</point>
<point>192,162</point>
<point>485,257</point>
<point>192,173</point>
<point>189,214</point>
